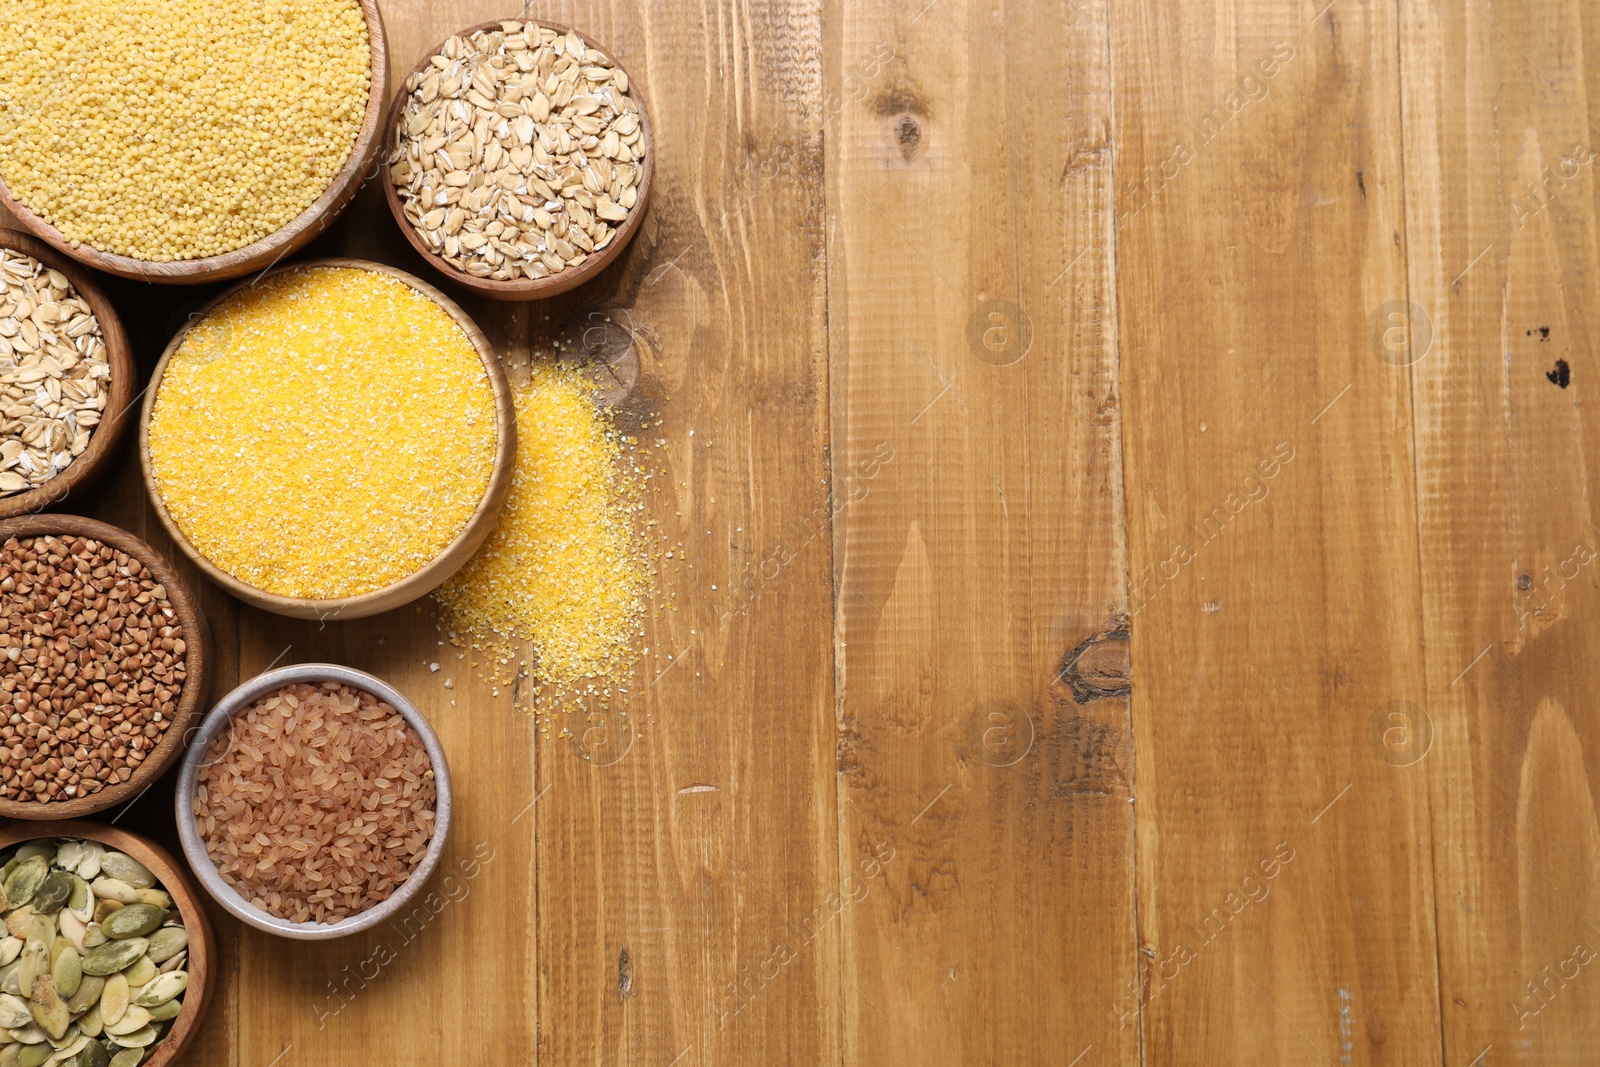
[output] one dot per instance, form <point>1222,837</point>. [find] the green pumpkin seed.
<point>165,943</point>
<point>114,955</point>
<point>52,893</point>
<point>163,988</point>
<point>10,1054</point>
<point>167,1009</point>
<point>88,993</point>
<point>14,1012</point>
<point>93,1054</point>
<point>134,1018</point>
<point>81,901</point>
<point>115,1000</point>
<point>94,937</point>
<point>141,1037</point>
<point>135,920</point>
<point>25,879</point>
<point>11,947</point>
<point>10,978</point>
<point>34,961</point>
<point>31,1034</point>
<point>91,1023</point>
<point>48,1009</point>
<point>68,1046</point>
<point>67,970</point>
<point>34,1055</point>
<point>140,973</point>
<point>159,897</point>
<point>128,1057</point>
<point>125,868</point>
<point>42,848</point>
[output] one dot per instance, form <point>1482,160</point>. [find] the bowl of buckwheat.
<point>103,654</point>
<point>519,158</point>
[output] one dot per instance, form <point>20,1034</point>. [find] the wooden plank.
<point>1285,899</point>
<point>1502,222</point>
<point>986,902</point>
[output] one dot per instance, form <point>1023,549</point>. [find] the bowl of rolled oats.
<point>520,158</point>
<point>66,373</point>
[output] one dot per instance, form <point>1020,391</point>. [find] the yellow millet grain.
<point>323,433</point>
<point>563,569</point>
<point>177,129</point>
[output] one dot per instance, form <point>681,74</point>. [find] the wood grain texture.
<point>1502,220</point>
<point>1004,332</point>
<point>1285,902</point>
<point>985,911</point>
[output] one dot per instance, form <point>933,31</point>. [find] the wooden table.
<point>982,336</point>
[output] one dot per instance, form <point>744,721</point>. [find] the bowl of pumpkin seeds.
<point>103,958</point>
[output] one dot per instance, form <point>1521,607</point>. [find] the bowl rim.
<point>202,943</point>
<point>418,583</point>
<point>196,662</point>
<point>83,470</point>
<point>221,716</point>
<point>521,288</point>
<point>274,246</point>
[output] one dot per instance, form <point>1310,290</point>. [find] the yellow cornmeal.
<point>562,570</point>
<point>177,129</point>
<point>323,433</point>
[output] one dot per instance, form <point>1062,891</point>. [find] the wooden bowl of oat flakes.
<point>519,166</point>
<point>207,141</point>
<point>66,374</point>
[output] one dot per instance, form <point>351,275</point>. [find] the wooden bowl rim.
<point>173,878</point>
<point>523,288</point>
<point>274,246</point>
<point>119,353</point>
<point>196,662</point>
<point>420,582</point>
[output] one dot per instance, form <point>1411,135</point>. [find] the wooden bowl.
<point>84,470</point>
<point>196,661</point>
<point>271,248</point>
<point>478,527</point>
<point>524,288</point>
<point>173,879</point>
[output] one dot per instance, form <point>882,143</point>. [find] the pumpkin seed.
<point>10,1054</point>
<point>93,1054</point>
<point>141,972</point>
<point>14,1012</point>
<point>166,943</point>
<point>52,893</point>
<point>91,1023</point>
<point>94,937</point>
<point>48,1009</point>
<point>115,1000</point>
<point>88,993</point>
<point>114,889</point>
<point>167,1009</point>
<point>135,920</point>
<point>72,929</point>
<point>68,1046</point>
<point>155,896</point>
<point>35,1055</point>
<point>42,847</point>
<point>19,921</point>
<point>35,961</point>
<point>174,963</point>
<point>10,948</point>
<point>10,978</point>
<point>132,1019</point>
<point>102,908</point>
<point>31,1034</point>
<point>128,1057</point>
<point>94,852</point>
<point>138,1039</point>
<point>114,955</point>
<point>67,970</point>
<point>25,879</point>
<point>125,868</point>
<point>81,902</point>
<point>162,989</point>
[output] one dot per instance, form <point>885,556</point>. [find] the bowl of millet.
<point>103,657</point>
<point>207,140</point>
<point>330,440</point>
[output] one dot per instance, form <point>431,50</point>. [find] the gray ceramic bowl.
<point>217,721</point>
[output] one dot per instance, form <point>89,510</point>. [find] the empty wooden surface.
<point>1134,562</point>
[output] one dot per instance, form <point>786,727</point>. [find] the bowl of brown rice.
<point>314,802</point>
